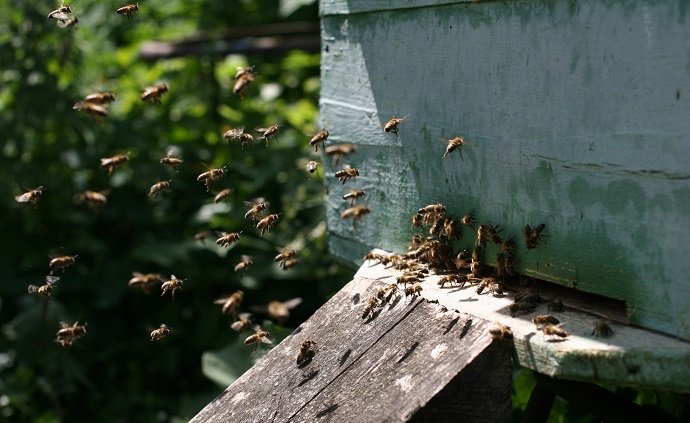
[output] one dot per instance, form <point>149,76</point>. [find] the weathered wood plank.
<point>574,113</point>
<point>348,7</point>
<point>383,369</point>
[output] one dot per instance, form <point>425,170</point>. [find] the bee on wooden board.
<point>172,161</point>
<point>100,98</point>
<point>312,166</point>
<point>173,285</point>
<point>347,173</point>
<point>210,176</point>
<point>533,236</point>
<point>413,290</point>
<point>370,308</point>
<point>392,125</point>
<point>244,264</point>
<point>67,334</point>
<point>320,137</point>
<point>260,336</point>
<point>93,199</point>
<point>266,133</point>
<point>454,144</point>
<point>384,295</point>
<point>231,304</point>
<point>554,333</point>
<point>306,353</point>
<point>255,208</point>
<point>226,239</point>
<point>145,281</point>
<point>45,290</point>
<point>222,195</point>
<point>31,196</point>
<point>61,13</point>
<point>501,332</point>
<point>154,94</point>
<point>160,333</point>
<point>243,322</point>
<point>128,9</point>
<point>239,134</point>
<point>602,329</point>
<point>280,310</point>
<point>267,223</point>
<point>544,319</point>
<point>159,187</point>
<point>94,110</point>
<point>353,195</point>
<point>61,262</point>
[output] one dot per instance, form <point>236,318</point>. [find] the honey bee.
<point>454,144</point>
<point>451,279</point>
<point>554,331</point>
<point>60,263</point>
<point>68,22</point>
<point>113,162</point>
<point>476,262</point>
<point>463,259</point>
<point>413,290</point>
<point>201,236</point>
<point>155,93</point>
<point>244,321</point>
<point>501,332</point>
<point>347,173</point>
<point>45,290</point>
<point>337,151</point>
<point>284,257</point>
<point>450,228</point>
<point>32,196</point>
<point>67,334</point>
<point>128,9</point>
<point>245,263</point>
<point>245,78</point>
<point>386,294</point>
<point>160,333</point>
<point>353,195</point>
<point>171,161</point>
<point>280,310</point>
<point>231,304</point>
<point>493,233</point>
<point>159,187</point>
<point>533,236</point>
<point>371,308</point>
<point>89,108</point>
<point>221,195</point>
<point>602,329</point>
<point>544,319</point>
<point>355,212</point>
<point>432,209</point>
<point>239,134</point>
<point>320,137</point>
<point>271,131</point>
<point>260,336</point>
<point>267,223</point>
<point>93,199</point>
<point>61,13</point>
<point>410,278</point>
<point>306,353</point>
<point>468,219</point>
<point>482,233</point>
<point>289,263</point>
<point>210,176</point>
<point>100,98</point>
<point>392,125</point>
<point>226,239</point>
<point>245,70</point>
<point>172,285</point>
<point>312,166</point>
<point>418,220</point>
<point>491,285</point>
<point>255,208</point>
<point>146,281</point>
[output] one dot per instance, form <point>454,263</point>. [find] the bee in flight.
<point>128,9</point>
<point>159,187</point>
<point>160,333</point>
<point>172,285</point>
<point>226,239</point>
<point>259,336</point>
<point>355,212</point>
<point>111,163</point>
<point>320,137</point>
<point>155,93</point>
<point>454,144</point>
<point>60,13</point>
<point>239,134</point>
<point>271,131</point>
<point>67,334</point>
<point>244,264</point>
<point>243,78</point>
<point>232,303</point>
<point>32,196</point>
<point>347,173</point>
<point>61,262</point>
<point>353,195</point>
<point>244,321</point>
<point>146,281</point>
<point>285,257</point>
<point>280,310</point>
<point>172,161</point>
<point>339,150</point>
<point>221,195</point>
<point>267,223</point>
<point>312,166</point>
<point>392,125</point>
<point>210,176</point>
<point>95,110</point>
<point>100,98</point>
<point>255,208</point>
<point>93,199</point>
<point>45,290</point>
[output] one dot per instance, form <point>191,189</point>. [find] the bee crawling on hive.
<point>413,290</point>
<point>306,353</point>
<point>601,329</point>
<point>533,236</point>
<point>371,308</point>
<point>540,320</point>
<point>501,332</point>
<point>452,279</point>
<point>554,332</point>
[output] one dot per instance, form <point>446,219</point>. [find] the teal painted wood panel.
<point>575,114</point>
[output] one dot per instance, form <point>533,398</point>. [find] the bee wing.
<point>238,325</point>
<point>24,198</point>
<point>57,14</point>
<point>221,300</point>
<point>266,340</point>
<point>290,304</point>
<point>52,279</point>
<point>32,289</point>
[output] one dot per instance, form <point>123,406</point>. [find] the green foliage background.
<point>115,373</point>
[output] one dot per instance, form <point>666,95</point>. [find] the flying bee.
<point>160,333</point>
<point>255,208</point>
<point>89,108</point>
<point>245,263</point>
<point>68,22</point>
<point>533,236</point>
<point>210,176</point>
<point>347,173</point>
<point>450,228</point>
<point>60,263</point>
<point>159,187</point>
<point>501,332</point>
<point>312,166</point>
<point>93,199</point>
<point>413,290</point>
<point>392,125</point>
<point>544,319</point>
<point>353,195</point>
<point>146,281</point>
<point>128,9</point>
<point>67,334</point>
<point>201,236</point>
<point>432,209</point>
<point>226,239</point>
<point>242,82</point>
<point>355,212</point>
<point>338,151</point>
<point>221,195</point>
<point>245,70</point>
<point>172,285</point>
<point>602,329</point>
<point>454,144</point>
<point>468,219</point>
<point>320,137</point>
<point>32,196</point>
<point>289,263</point>
<point>371,308</point>
<point>100,98</point>
<point>271,131</point>
<point>111,163</point>
<point>554,331</point>
<point>244,321</point>
<point>61,13</point>
<point>267,223</point>
<point>231,304</point>
<point>280,310</point>
<point>260,336</point>
<point>239,134</point>
<point>172,161</point>
<point>45,290</point>
<point>155,93</point>
<point>306,353</point>
<point>284,256</point>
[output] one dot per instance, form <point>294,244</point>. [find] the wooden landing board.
<point>383,369</point>
<point>632,356</point>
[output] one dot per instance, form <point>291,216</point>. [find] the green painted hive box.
<point>575,114</point>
